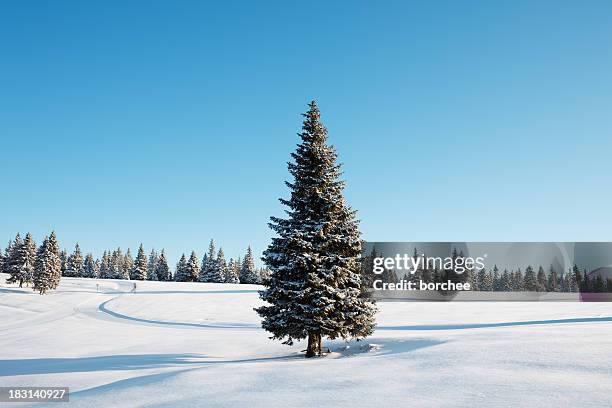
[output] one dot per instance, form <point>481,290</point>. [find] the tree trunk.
<point>21,283</point>
<point>314,345</point>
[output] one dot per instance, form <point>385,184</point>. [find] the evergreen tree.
<point>89,267</point>
<point>105,266</point>
<point>599,285</point>
<point>6,256</point>
<point>487,284</point>
<point>315,286</point>
<point>180,274</point>
<point>117,267</point>
<point>484,283</point>
<point>22,260</point>
<point>530,282</point>
<point>221,264</point>
<point>587,285</point>
<point>248,274</point>
<point>215,267</point>
<point>477,280</point>
<point>152,266</point>
<point>203,269</point>
<point>97,264</point>
<point>496,279</point>
<point>139,271</point>
<point>163,270</point>
<point>48,270</point>
<point>210,268</point>
<point>74,264</point>
<point>2,258</point>
<point>571,282</point>
<point>553,281</point>
<point>128,265</point>
<point>519,281</point>
<point>63,261</point>
<point>192,270</point>
<point>13,264</point>
<point>541,279</point>
<point>232,273</point>
<point>506,283</point>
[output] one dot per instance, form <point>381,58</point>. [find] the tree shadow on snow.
<point>22,291</point>
<point>118,363</point>
<point>381,346</point>
<point>501,324</point>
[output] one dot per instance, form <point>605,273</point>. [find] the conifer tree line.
<point>575,279</point>
<point>42,266</point>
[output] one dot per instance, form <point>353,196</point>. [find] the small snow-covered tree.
<point>63,261</point>
<point>117,265</point>
<point>553,280</point>
<point>24,264</point>
<point>48,270</point>
<point>232,272</point>
<point>222,270</point>
<point>89,267</point>
<point>203,268</point>
<point>127,265</point>
<point>210,268</point>
<point>180,273</point>
<point>152,266</point>
<point>139,271</point>
<point>530,282</point>
<point>541,278</point>
<point>315,287</point>
<point>496,279</point>
<point>74,264</point>
<point>248,273</point>
<point>484,280</point>
<point>13,263</point>
<point>2,258</point>
<point>163,270</point>
<point>192,268</point>
<point>506,283</point>
<point>105,271</point>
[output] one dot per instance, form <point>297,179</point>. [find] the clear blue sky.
<point>169,123</point>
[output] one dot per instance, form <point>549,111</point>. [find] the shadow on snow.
<point>500,324</point>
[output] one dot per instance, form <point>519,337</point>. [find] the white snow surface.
<point>201,345</point>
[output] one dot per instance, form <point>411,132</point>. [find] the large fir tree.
<point>315,289</point>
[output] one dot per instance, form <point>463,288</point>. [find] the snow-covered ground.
<point>200,345</point>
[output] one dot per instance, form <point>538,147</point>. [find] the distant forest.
<point>43,265</point>
<point>574,279</point>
